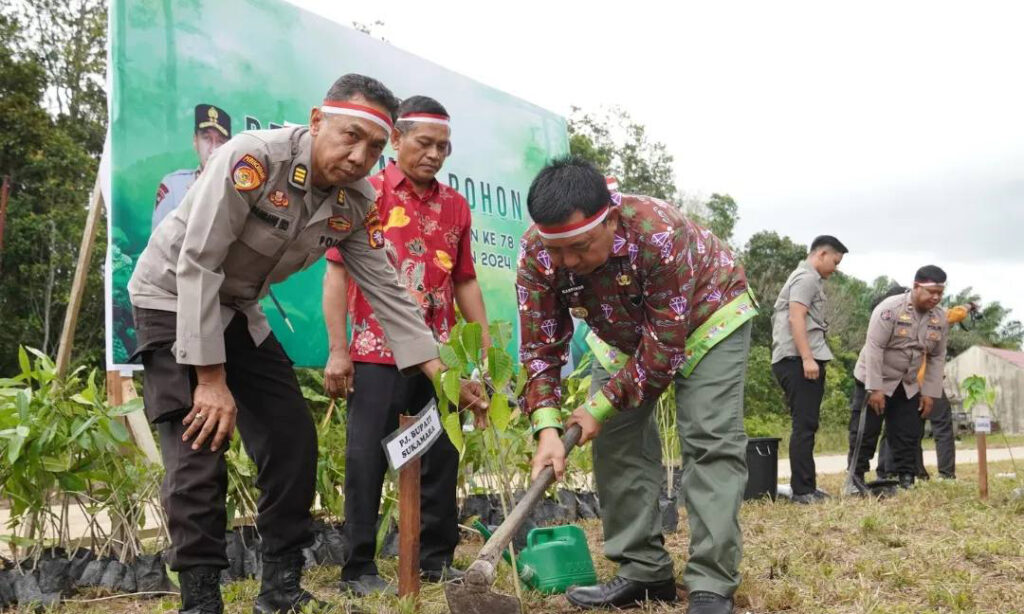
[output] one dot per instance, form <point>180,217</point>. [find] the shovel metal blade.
<point>465,599</point>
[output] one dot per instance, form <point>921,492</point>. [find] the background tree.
<point>52,124</point>
<point>618,145</point>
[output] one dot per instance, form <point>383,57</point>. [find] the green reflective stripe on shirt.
<point>600,407</point>
<point>722,323</point>
<point>546,417</point>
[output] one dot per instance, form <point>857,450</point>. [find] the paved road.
<point>837,463</point>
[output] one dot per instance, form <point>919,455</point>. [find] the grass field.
<point>934,549</point>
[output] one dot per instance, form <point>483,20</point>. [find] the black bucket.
<point>762,468</point>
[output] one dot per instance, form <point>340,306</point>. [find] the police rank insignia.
<point>904,317</point>
<point>341,196</point>
<point>580,313</point>
<point>299,175</point>
<point>374,232</point>
<point>248,173</point>
<point>279,199</point>
<point>622,279</point>
<point>339,223</point>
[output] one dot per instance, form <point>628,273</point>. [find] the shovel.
<point>473,595</point>
<point>878,488</point>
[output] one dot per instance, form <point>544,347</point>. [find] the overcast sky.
<point>896,126</point>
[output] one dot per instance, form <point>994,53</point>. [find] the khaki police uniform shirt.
<point>171,192</point>
<point>804,286</point>
<point>899,340</point>
<point>253,219</point>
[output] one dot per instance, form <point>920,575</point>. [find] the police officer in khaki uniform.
<point>800,356</point>
<point>212,129</point>
<point>268,204</point>
<point>905,331</point>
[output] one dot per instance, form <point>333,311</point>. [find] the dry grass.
<point>934,549</point>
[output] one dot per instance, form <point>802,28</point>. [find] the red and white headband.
<point>341,107</point>
<point>426,118</point>
<point>612,183</point>
<point>564,231</point>
<point>930,284</point>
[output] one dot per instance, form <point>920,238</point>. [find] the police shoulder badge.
<point>161,192</point>
<point>886,315</point>
<point>339,223</point>
<point>374,231</point>
<point>248,173</point>
<point>279,199</point>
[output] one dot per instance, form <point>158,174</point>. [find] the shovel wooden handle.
<point>481,572</point>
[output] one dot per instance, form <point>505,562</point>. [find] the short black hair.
<point>352,85</point>
<point>828,241</point>
<point>930,273</point>
<point>566,185</point>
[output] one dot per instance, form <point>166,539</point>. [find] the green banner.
<point>265,64</point>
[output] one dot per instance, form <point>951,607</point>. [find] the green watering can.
<point>554,559</point>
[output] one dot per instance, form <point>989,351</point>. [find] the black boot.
<point>621,593</point>
<point>200,591</point>
<point>704,602</point>
<point>906,480</point>
<point>280,591</point>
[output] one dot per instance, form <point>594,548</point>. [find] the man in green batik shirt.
<point>667,303</point>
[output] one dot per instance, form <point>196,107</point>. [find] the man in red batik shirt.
<point>426,232</point>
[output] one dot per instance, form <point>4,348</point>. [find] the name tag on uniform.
<point>267,217</point>
<point>572,289</point>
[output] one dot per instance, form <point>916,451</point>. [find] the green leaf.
<point>71,482</point>
<point>455,343</point>
<point>442,400</point>
<point>55,464</point>
<point>14,448</point>
<point>452,358</point>
<point>451,383</point>
<point>453,427</point>
<point>118,431</point>
<point>131,406</point>
<point>16,540</point>
<point>498,412</point>
<point>23,401</point>
<point>501,333</point>
<point>83,427</point>
<point>23,362</point>
<point>472,340</point>
<point>521,379</point>
<point>499,363</point>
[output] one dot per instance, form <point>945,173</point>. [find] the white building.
<point>1004,370</point>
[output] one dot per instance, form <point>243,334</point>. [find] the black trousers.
<point>381,394</point>
<point>941,419</point>
<point>277,430</point>
<point>804,399</point>
<point>903,429</point>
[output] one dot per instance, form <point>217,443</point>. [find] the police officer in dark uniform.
<point>268,204</point>
<point>212,129</point>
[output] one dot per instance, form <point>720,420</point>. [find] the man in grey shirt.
<point>799,356</point>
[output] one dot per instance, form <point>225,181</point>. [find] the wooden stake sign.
<point>982,426</point>
<point>409,522</point>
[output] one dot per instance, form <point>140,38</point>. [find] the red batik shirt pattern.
<point>427,240</point>
<point>666,276</point>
